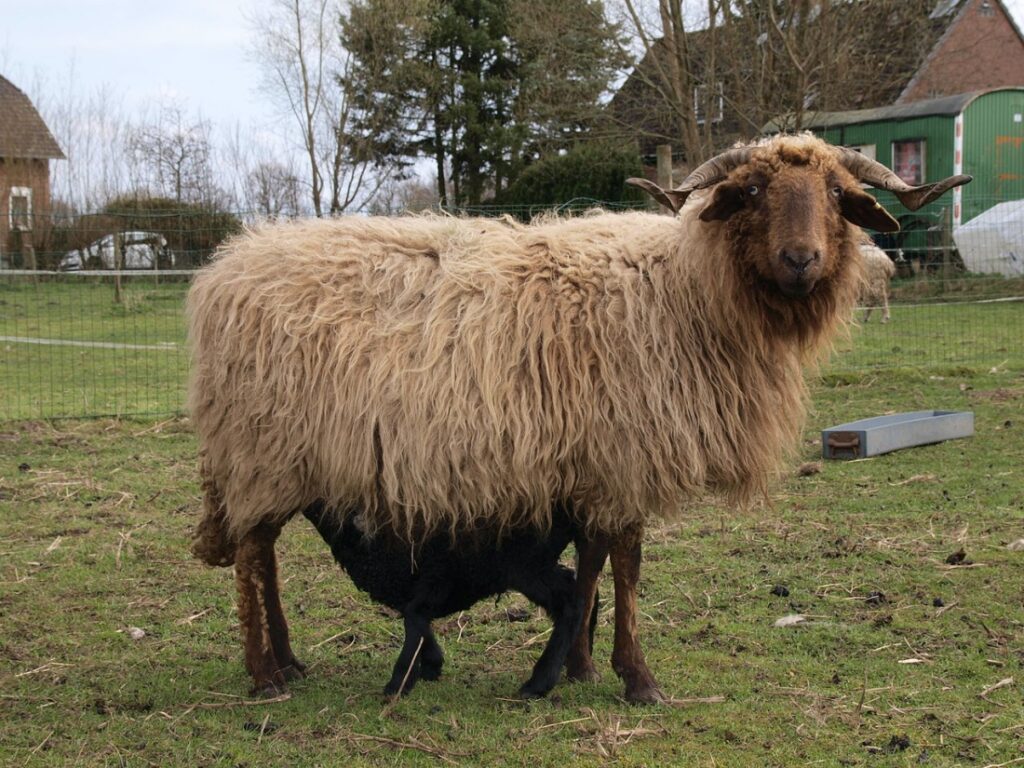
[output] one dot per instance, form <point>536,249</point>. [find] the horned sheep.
<point>439,373</point>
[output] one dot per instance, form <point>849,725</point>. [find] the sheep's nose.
<point>800,260</point>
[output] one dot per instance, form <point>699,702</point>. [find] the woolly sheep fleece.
<point>437,372</point>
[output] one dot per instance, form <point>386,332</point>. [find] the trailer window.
<point>908,160</point>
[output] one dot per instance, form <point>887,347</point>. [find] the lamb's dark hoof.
<point>533,690</point>
<point>392,688</point>
<point>430,672</point>
<point>528,694</point>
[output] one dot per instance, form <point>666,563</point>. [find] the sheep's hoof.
<point>583,674</point>
<point>646,693</point>
<point>294,671</point>
<point>268,690</point>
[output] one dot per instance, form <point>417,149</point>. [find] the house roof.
<point>947,14</point>
<point>23,134</point>
<point>945,105</point>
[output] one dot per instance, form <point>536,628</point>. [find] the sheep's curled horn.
<point>864,168</point>
<point>703,176</point>
<point>877,175</point>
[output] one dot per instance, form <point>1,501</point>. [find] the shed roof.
<point>23,134</point>
<point>945,105</point>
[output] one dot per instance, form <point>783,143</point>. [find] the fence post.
<point>155,250</point>
<point>664,166</point>
<point>117,267</point>
<point>28,251</point>
<point>948,267</point>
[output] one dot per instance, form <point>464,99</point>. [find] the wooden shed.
<point>980,133</point>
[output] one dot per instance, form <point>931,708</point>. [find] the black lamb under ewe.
<point>440,579</point>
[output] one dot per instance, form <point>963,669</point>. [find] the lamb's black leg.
<point>431,657</point>
<point>555,592</point>
<point>407,668</point>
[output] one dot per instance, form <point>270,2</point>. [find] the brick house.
<point>980,49</point>
<point>959,46</point>
<point>26,148</point>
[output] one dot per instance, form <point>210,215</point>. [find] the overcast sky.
<point>195,50</point>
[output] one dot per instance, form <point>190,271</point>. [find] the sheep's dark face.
<point>787,218</point>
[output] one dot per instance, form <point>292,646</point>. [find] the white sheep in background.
<point>879,269</point>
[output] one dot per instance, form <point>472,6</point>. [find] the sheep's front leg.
<point>268,653</point>
<point>627,657</point>
<point>590,557</point>
<point>885,307</point>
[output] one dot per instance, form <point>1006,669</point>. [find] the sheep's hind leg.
<point>627,657</point>
<point>557,595</point>
<point>268,654</point>
<point>590,558</point>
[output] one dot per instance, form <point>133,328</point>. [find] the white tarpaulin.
<point>994,241</point>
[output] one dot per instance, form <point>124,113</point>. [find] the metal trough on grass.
<point>882,434</point>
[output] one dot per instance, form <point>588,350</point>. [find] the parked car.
<point>140,250</point>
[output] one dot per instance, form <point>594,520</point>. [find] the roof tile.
<point>23,134</point>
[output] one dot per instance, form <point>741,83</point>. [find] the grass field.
<point>912,651</point>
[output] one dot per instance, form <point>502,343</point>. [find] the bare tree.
<point>272,190</point>
<point>412,195</point>
<point>91,128</point>
<point>172,155</point>
<point>263,178</point>
<point>670,71</point>
<point>298,49</point>
<point>707,76</point>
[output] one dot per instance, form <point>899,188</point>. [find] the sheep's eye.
<point>753,190</point>
<point>837,191</point>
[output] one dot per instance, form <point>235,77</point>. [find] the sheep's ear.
<point>864,211</point>
<point>672,199</point>
<point>726,200</point>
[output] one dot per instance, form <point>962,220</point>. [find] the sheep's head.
<point>788,200</point>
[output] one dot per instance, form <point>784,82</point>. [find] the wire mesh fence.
<point>88,344</point>
<point>87,337</point>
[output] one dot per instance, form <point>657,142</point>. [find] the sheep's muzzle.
<point>797,271</point>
